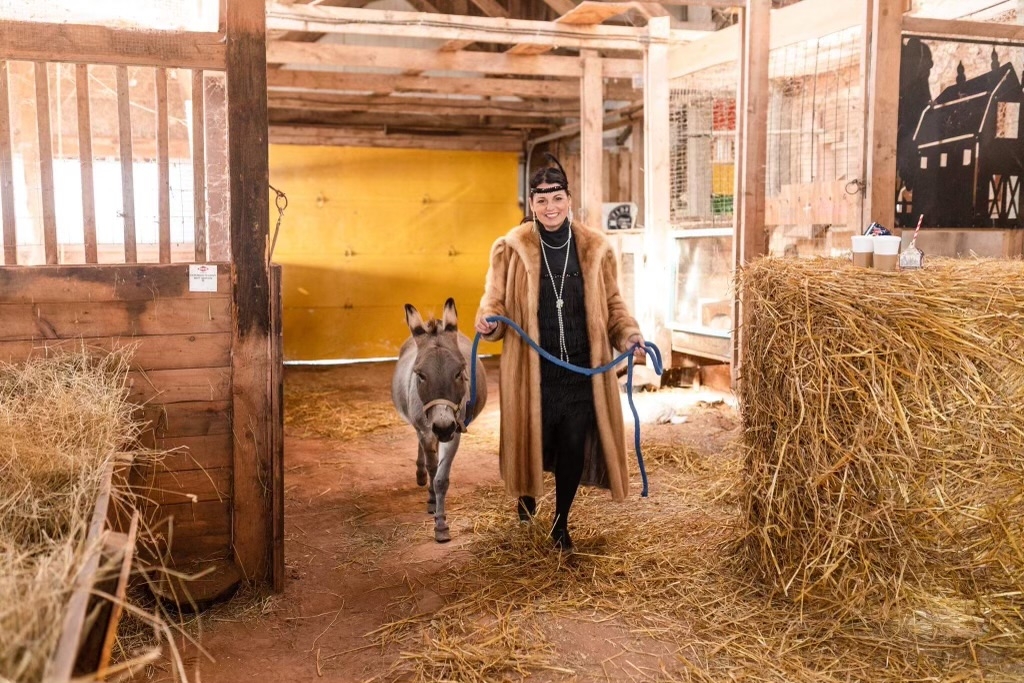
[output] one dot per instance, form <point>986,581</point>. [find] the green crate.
<point>721,204</point>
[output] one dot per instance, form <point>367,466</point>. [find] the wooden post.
<point>591,133</point>
<point>751,236</point>
<point>251,348</point>
<point>85,162</point>
<point>124,116</point>
<point>882,100</point>
<point>655,293</point>
<point>199,165</point>
<point>10,239</point>
<point>46,162</point>
<point>163,167</point>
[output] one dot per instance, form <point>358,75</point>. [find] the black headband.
<point>547,190</point>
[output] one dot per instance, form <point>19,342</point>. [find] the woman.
<point>556,279</point>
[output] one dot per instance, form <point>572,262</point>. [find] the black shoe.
<point>527,508</point>
<point>560,536</point>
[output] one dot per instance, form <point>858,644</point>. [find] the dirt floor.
<point>359,545</point>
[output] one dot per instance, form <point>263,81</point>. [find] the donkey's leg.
<point>421,465</point>
<point>448,450</point>
<point>428,444</point>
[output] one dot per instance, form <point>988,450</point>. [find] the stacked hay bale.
<point>62,422</point>
<point>884,427</point>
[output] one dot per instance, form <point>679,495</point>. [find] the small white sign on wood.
<point>202,277</point>
<point>618,215</point>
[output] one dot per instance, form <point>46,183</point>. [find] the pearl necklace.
<point>563,351</point>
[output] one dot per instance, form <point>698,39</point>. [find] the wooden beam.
<point>421,60</point>
<point>952,29</point>
<point>591,113</point>
<point>283,80</point>
<point>32,41</point>
<point>381,137</point>
<point>424,106</point>
<point>10,235</point>
<point>750,239</point>
<point>85,162</point>
<point>882,100</point>
<point>46,162</point>
<point>491,8</point>
<point>499,30</point>
<point>561,7</point>
<point>805,20</point>
<point>252,412</point>
<point>658,271</point>
<point>124,118</point>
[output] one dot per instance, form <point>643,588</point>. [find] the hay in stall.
<point>63,422</point>
<point>883,421</point>
<point>329,414</point>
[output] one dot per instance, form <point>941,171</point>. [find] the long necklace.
<point>563,351</point>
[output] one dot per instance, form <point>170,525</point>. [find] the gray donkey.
<point>430,389</point>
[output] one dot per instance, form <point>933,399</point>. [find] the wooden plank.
<point>364,137</point>
<point>176,386</point>
<point>188,419</point>
<point>128,553</point>
<point>591,115</point>
<point>284,52</point>
<point>85,161</point>
<point>163,164</point>
<point>462,28</point>
<point>46,162</point>
<point>60,665</point>
<point>188,486</point>
<point>400,105</point>
<point>113,282</point>
<point>160,352</point>
<point>882,100</point>
<point>657,199</point>
<point>589,12</point>
<point>250,224</point>
<point>195,452</point>
<point>117,318</point>
<point>199,164</point>
<point>124,118</point>
<point>953,29</point>
<point>324,81</point>
<point>636,174</point>
<point>199,519</point>
<point>33,41</point>
<point>277,429</point>
<point>805,20</point>
<point>10,235</point>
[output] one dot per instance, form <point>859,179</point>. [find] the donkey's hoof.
<point>421,478</point>
<point>442,535</point>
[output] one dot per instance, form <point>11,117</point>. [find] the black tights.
<point>565,438</point>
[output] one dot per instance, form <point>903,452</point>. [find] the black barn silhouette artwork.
<point>960,157</point>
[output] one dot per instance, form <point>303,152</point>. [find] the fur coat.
<point>512,290</point>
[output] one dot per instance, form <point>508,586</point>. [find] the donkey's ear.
<point>450,319</point>
<point>414,320</point>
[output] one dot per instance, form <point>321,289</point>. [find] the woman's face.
<point>550,208</point>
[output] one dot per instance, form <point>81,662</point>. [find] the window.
<point>943,158</point>
<point>924,162</point>
<point>1007,120</point>
<point>967,157</point>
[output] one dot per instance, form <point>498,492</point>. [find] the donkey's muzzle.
<point>445,433</point>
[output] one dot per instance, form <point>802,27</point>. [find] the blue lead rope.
<point>652,351</point>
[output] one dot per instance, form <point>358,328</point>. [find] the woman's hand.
<point>484,327</point>
<point>640,352</point>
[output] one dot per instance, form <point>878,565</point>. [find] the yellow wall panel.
<point>368,230</point>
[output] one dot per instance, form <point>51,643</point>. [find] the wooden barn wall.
<point>181,374</point>
<point>369,230</point>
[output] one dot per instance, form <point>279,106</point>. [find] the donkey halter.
<point>456,409</point>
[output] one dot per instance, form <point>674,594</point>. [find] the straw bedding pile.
<point>328,413</point>
<point>62,421</point>
<point>883,421</point>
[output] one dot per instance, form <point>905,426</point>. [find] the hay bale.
<point>62,422</point>
<point>884,435</point>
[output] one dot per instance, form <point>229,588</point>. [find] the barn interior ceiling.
<point>459,74</point>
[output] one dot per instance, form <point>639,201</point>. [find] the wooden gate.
<point>196,304</point>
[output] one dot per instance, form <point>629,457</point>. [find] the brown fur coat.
<point>512,290</point>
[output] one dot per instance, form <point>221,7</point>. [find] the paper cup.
<point>886,252</point>
<point>863,247</point>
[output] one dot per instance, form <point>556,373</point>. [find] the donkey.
<point>430,389</point>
